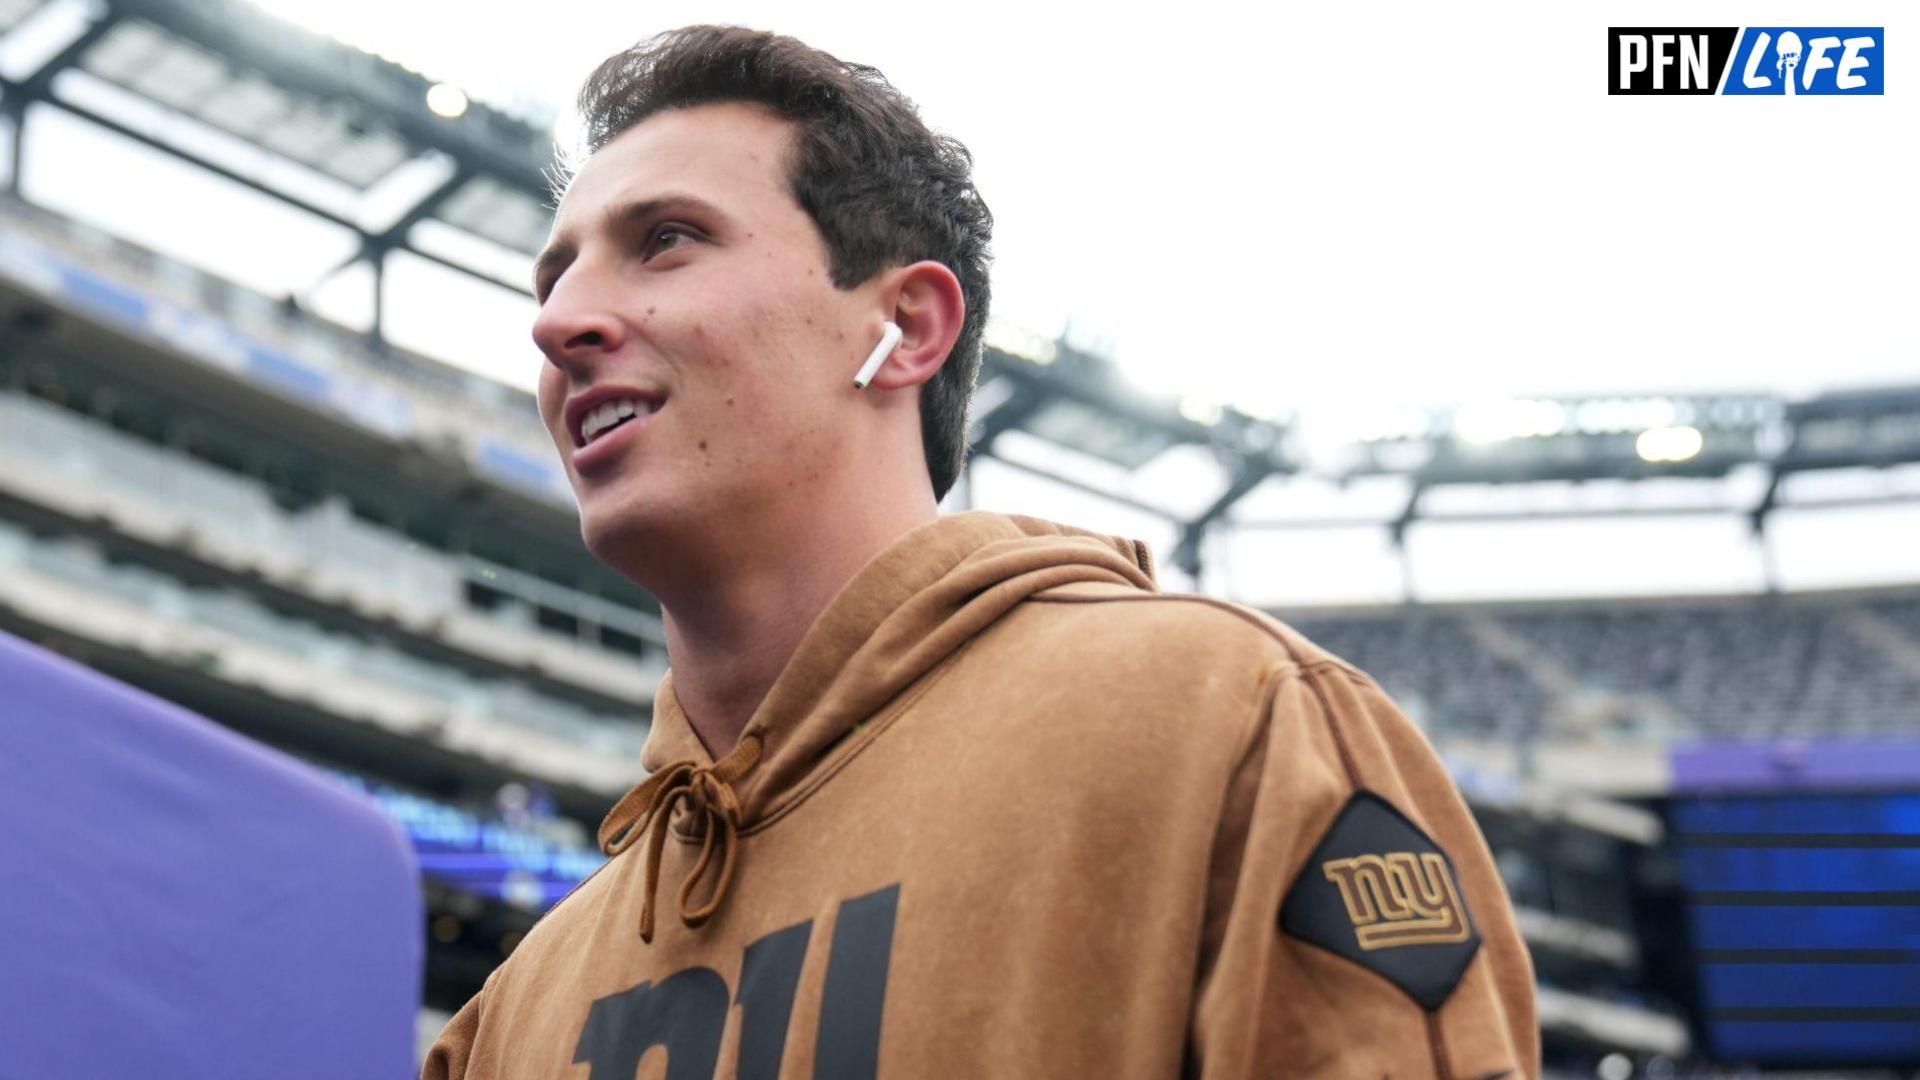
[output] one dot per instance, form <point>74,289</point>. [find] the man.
<point>933,797</point>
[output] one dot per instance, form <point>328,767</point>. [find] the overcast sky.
<point>1285,208</point>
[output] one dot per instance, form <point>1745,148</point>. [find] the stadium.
<point>1704,802</point>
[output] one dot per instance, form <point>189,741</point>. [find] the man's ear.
<point>929,308</point>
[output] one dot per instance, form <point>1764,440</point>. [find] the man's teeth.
<point>611,414</point>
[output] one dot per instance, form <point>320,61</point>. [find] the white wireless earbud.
<point>888,339</point>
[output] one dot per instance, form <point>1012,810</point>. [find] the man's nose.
<point>576,324</point>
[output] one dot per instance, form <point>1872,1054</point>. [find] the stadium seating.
<point>1435,669</point>
<point>87,470</point>
<point>1745,668</point>
<point>247,642</point>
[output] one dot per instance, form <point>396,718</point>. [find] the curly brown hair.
<point>883,189</point>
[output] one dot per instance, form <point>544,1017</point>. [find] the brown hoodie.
<point>1011,812</point>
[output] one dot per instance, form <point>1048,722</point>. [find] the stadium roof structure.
<point>1076,401</point>
<point>368,145</point>
<point>311,107</point>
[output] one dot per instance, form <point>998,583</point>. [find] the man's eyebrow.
<point>561,252</point>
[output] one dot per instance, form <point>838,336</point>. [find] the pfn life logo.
<point>1787,61</point>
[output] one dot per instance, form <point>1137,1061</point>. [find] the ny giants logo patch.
<point>1379,892</point>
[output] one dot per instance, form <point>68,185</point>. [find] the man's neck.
<point>729,641</point>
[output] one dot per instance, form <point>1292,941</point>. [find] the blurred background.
<point>1589,425</point>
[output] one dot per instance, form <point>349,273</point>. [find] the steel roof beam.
<point>1247,475</point>
<point>293,59</point>
<point>251,184</point>
<point>1081,485</point>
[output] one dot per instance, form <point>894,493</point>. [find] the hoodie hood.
<point>905,612</point>
<point>908,609</point>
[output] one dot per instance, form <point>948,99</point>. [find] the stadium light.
<point>1201,411</point>
<point>1669,444</point>
<point>446,99</point>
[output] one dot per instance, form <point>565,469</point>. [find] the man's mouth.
<point>611,414</point>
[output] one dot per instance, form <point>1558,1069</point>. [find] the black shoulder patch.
<point>1380,893</point>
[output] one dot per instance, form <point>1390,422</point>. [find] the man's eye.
<point>668,237</point>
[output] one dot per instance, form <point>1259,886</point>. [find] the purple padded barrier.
<point>1795,765</point>
<point>181,902</point>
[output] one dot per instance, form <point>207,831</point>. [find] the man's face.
<point>682,276</point>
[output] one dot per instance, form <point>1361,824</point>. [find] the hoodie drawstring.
<point>708,794</point>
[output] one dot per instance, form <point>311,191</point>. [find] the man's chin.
<point>638,539</point>
<point>616,534</point>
